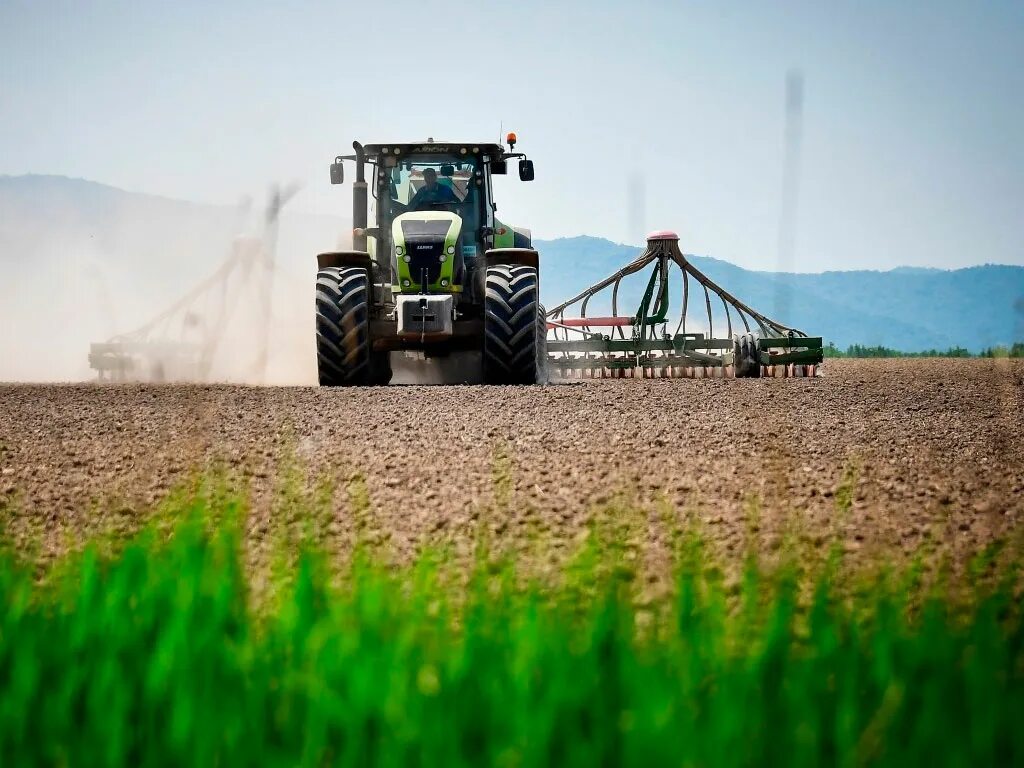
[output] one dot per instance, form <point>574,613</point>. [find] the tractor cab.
<point>434,216</point>
<point>434,211</point>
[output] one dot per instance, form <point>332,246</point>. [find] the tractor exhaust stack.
<point>359,200</point>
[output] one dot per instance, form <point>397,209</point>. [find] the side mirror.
<point>526,170</point>
<point>337,172</point>
<point>499,167</point>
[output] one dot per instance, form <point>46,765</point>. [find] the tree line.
<point>863,350</point>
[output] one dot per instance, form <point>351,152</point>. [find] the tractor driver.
<point>431,193</point>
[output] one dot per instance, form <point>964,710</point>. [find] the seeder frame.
<point>770,347</point>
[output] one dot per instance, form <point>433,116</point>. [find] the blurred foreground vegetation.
<point>160,649</point>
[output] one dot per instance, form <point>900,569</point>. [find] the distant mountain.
<point>81,261</point>
<point>903,308</point>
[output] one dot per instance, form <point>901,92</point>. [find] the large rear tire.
<point>514,331</point>
<point>343,327</point>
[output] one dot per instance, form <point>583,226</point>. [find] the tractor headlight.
<point>444,283</point>
<point>406,283</point>
<point>407,258</point>
<point>399,250</point>
<point>451,249</point>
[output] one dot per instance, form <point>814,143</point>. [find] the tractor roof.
<point>434,147</point>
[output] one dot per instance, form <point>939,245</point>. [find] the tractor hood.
<point>425,245</point>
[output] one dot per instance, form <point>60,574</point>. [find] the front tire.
<point>514,330</point>
<point>343,327</point>
<point>746,356</point>
<point>380,368</point>
<point>542,345</point>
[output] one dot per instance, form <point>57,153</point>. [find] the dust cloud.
<point>101,284</point>
<point>178,291</point>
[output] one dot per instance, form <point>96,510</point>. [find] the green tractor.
<point>436,275</point>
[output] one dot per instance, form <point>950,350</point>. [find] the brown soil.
<point>931,452</point>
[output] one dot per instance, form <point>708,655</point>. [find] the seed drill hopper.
<point>641,345</point>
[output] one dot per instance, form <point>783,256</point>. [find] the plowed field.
<point>886,455</point>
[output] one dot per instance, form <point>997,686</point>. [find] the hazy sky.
<point>913,129</point>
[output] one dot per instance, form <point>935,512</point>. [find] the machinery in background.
<point>181,342</point>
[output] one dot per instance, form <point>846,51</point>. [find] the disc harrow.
<point>641,346</point>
